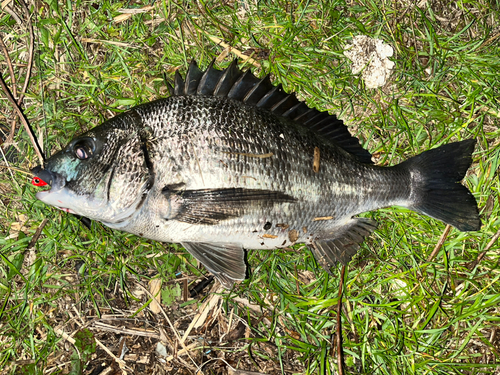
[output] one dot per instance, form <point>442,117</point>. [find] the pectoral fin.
<point>210,206</point>
<point>224,261</point>
<point>341,244</point>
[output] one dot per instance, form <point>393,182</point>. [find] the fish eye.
<point>84,149</point>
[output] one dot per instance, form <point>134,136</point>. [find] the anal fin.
<point>343,243</point>
<point>225,261</point>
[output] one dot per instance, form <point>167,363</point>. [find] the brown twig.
<point>245,59</point>
<point>23,119</point>
<point>440,243</point>
<point>10,138</point>
<point>487,42</point>
<point>121,363</point>
<point>316,159</point>
<point>232,371</point>
<point>30,51</point>
<point>37,234</point>
<point>486,249</point>
<point>12,14</point>
<point>340,350</point>
<point>174,330</point>
<point>11,70</point>
<point>125,331</point>
<point>9,65</point>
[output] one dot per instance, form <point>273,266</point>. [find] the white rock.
<point>371,57</point>
<point>161,349</point>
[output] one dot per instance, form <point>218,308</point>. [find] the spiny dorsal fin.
<point>193,78</point>
<point>245,87</point>
<point>209,80</point>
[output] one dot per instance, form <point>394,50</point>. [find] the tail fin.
<point>436,188</point>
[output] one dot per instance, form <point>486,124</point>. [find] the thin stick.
<point>185,351</point>
<point>28,72</point>
<point>9,65</point>
<point>485,43</point>
<point>487,248</point>
<point>246,59</point>
<point>340,350</point>
<point>23,119</point>
<point>440,243</point>
<point>11,12</point>
<point>30,50</point>
<point>10,138</point>
<point>37,234</point>
<point>125,331</point>
<point>120,362</point>
<point>177,336</point>
<point>64,335</point>
<point>8,165</point>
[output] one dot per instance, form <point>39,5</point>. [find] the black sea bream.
<point>230,162</point>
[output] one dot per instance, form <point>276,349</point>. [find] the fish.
<point>230,162</point>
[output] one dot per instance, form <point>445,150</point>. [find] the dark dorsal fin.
<point>235,84</point>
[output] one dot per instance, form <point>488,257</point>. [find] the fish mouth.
<point>57,189</point>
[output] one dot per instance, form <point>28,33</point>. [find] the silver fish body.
<point>200,149</point>
<point>227,164</point>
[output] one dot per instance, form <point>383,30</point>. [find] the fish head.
<point>103,174</point>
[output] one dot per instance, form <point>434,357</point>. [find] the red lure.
<point>37,181</point>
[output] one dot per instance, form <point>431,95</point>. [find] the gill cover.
<point>103,174</point>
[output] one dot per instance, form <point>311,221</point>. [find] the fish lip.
<point>55,180</point>
<point>57,183</point>
<point>44,196</point>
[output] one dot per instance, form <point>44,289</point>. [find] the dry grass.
<point>72,300</point>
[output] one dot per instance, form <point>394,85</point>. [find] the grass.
<point>402,313</point>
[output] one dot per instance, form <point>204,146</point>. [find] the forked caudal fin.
<point>436,188</point>
<point>436,191</point>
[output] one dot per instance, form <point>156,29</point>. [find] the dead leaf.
<point>293,235</point>
<point>316,160</point>
<point>128,13</point>
<point>154,289</point>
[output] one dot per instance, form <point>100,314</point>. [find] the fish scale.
<point>230,162</point>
